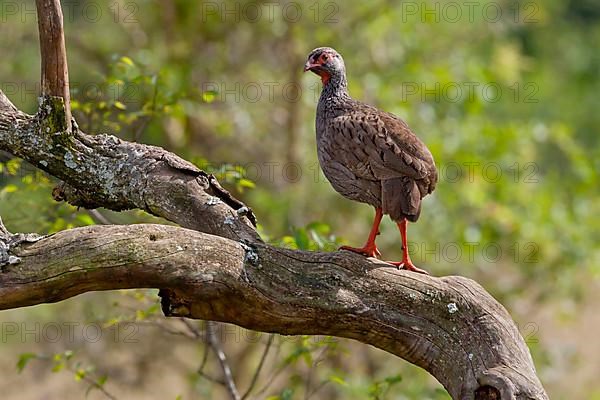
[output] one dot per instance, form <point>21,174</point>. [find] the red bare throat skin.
<point>325,77</point>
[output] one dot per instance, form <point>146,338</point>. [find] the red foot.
<point>407,265</point>
<point>369,251</point>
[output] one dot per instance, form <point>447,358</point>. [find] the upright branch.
<point>55,74</point>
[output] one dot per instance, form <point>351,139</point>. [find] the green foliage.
<point>65,362</point>
<point>379,389</point>
<point>315,236</point>
<point>518,195</point>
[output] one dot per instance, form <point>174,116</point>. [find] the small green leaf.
<point>128,61</point>
<point>289,242</point>
<point>80,374</point>
<point>85,219</point>
<point>390,380</point>
<point>247,183</point>
<point>10,188</point>
<point>209,96</point>
<point>120,105</point>
<point>111,322</point>
<point>319,227</point>
<point>102,380</point>
<point>58,367</point>
<point>23,360</point>
<point>12,166</point>
<point>302,240</point>
<point>338,379</point>
<point>287,394</point>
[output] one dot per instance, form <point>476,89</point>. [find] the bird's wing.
<point>383,145</point>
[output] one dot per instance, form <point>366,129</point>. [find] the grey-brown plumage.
<point>368,155</point>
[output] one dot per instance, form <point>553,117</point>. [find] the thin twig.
<point>274,374</point>
<point>260,366</point>
<point>215,344</point>
<point>195,332</point>
<point>313,365</point>
<point>93,383</point>
<point>319,387</point>
<point>204,361</point>
<point>84,377</point>
<point>320,357</point>
<point>99,217</point>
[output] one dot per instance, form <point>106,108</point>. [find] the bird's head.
<point>325,62</point>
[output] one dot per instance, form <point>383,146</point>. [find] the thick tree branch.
<point>450,326</point>
<point>55,74</point>
<point>104,171</point>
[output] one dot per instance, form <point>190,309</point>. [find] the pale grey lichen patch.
<point>470,356</point>
<point>207,277</point>
<point>70,160</point>
<point>351,299</point>
<point>9,241</point>
<point>44,163</point>
<point>452,308</point>
<point>242,210</point>
<point>13,260</point>
<point>229,220</point>
<point>434,295</point>
<point>212,201</point>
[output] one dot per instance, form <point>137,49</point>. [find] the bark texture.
<point>450,326</point>
<point>55,73</point>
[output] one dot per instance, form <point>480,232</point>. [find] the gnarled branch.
<point>104,171</point>
<point>450,326</point>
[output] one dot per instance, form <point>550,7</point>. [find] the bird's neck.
<point>334,86</point>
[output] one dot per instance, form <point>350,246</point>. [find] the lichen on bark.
<point>52,116</point>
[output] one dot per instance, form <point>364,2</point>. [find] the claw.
<point>407,265</point>
<point>368,251</point>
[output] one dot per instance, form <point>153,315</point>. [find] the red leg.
<point>369,249</point>
<point>406,263</point>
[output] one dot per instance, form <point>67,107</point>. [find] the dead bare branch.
<point>55,73</point>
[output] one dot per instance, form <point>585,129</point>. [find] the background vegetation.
<point>504,93</point>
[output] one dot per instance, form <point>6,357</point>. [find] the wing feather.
<point>380,146</point>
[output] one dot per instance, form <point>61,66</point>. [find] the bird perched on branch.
<point>369,155</point>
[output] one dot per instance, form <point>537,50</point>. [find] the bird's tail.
<point>401,198</point>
